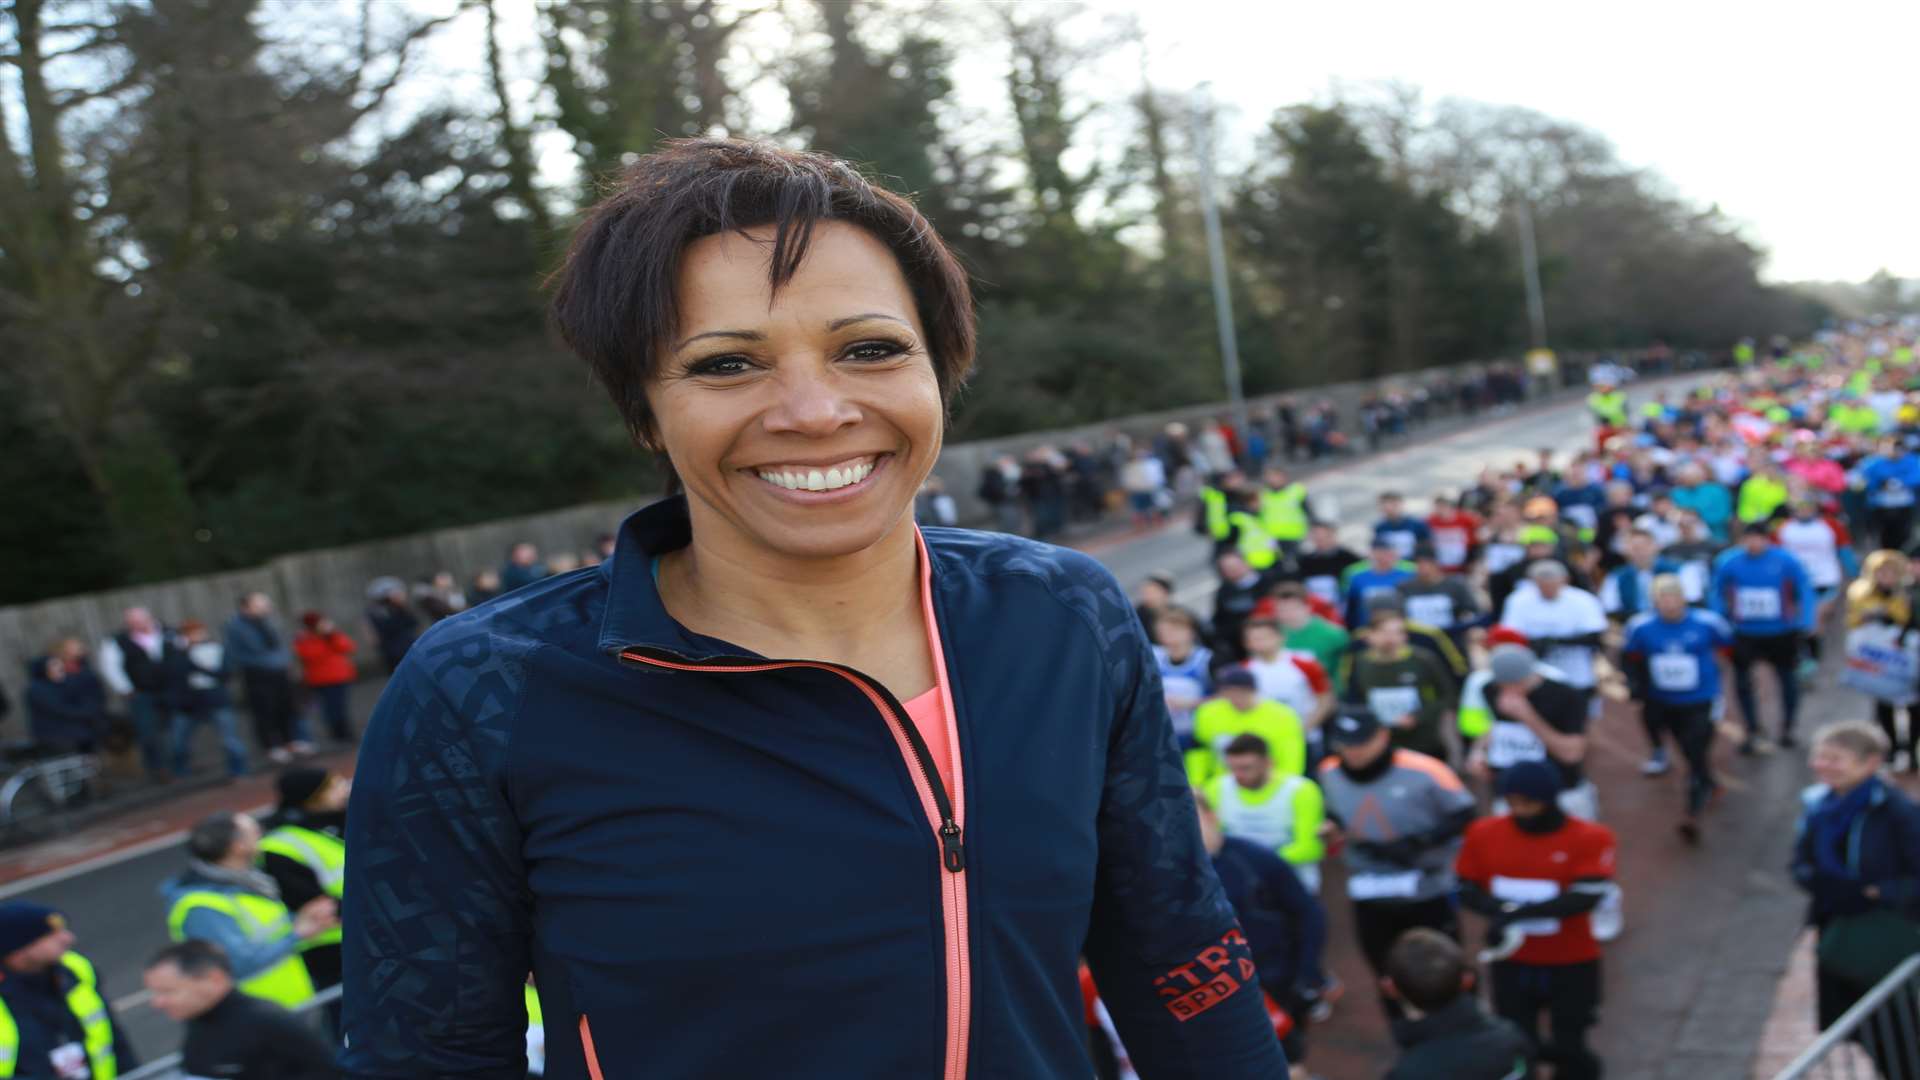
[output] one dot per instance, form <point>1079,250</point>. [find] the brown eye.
<point>875,350</point>
<point>720,366</point>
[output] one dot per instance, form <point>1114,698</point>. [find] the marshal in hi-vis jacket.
<point>720,865</point>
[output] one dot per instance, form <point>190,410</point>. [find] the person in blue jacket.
<point>1401,531</point>
<point>1376,580</point>
<point>787,786</point>
<point>1765,594</point>
<point>1857,852</point>
<point>1671,658</point>
<point>1888,479</point>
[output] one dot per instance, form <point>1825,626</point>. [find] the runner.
<point>1446,1033</point>
<point>1380,576</point>
<point>1241,589</point>
<point>1293,679</point>
<point>1884,600</point>
<point>1408,690</point>
<point>1765,594</point>
<point>1401,815</point>
<point>1536,716</point>
<point>1186,671</point>
<point>1400,532</point>
<point>1889,477</point>
<point>1565,624</point>
<point>1456,534</point>
<point>1324,564</point>
<point>1439,597</point>
<point>1242,710</point>
<point>1304,631</point>
<point>1823,546</point>
<point>1670,659</point>
<point>1538,875</point>
<point>1278,810</point>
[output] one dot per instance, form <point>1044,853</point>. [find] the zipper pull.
<point>952,851</point>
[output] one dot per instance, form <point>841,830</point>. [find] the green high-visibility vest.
<point>536,1017</point>
<point>1256,545</point>
<point>1611,408</point>
<point>1743,353</point>
<point>322,853</point>
<point>1284,512</point>
<point>86,1004</point>
<point>1215,501</point>
<point>1653,410</point>
<point>1760,496</point>
<point>286,983</point>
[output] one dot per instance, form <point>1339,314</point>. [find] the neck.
<point>235,864</point>
<point>1179,655</point>
<point>782,605</point>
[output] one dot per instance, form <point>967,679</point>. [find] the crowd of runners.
<point>1410,697</point>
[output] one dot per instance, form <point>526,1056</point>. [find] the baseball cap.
<point>1352,725</point>
<point>1511,664</point>
<point>1237,676</point>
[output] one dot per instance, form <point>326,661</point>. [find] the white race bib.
<point>1384,886</point>
<point>1324,586</point>
<point>1675,672</point>
<point>1528,891</point>
<point>1498,557</point>
<point>1693,580</point>
<point>70,1062</point>
<point>1434,609</point>
<point>1753,605</point>
<point>1510,743</point>
<point>1393,703</point>
<point>1402,541</point>
<point>1450,547</point>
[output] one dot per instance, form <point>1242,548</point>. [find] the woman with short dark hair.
<point>787,787</point>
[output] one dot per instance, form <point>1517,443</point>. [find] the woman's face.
<point>1841,769</point>
<point>801,422</point>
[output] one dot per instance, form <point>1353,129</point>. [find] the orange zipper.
<point>586,1044</point>
<point>945,814</point>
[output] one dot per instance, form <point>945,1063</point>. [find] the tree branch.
<point>405,48</point>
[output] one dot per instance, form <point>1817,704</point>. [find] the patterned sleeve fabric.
<point>436,923</point>
<point>1170,960</point>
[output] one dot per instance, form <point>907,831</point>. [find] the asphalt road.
<point>1688,986</point>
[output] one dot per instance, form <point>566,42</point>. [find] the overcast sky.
<point>1801,120</point>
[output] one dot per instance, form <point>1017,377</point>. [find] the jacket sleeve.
<point>438,922</point>
<point>1171,962</point>
<point>1304,914</point>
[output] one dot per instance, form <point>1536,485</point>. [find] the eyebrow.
<point>755,335</point>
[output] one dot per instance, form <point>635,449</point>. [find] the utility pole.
<point>1217,258</point>
<point>1530,264</point>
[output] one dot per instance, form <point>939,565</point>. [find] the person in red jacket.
<point>1537,875</point>
<point>326,663</point>
<point>1456,533</point>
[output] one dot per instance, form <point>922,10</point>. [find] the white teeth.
<point>815,480</point>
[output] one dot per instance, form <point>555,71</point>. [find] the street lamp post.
<point>1217,262</point>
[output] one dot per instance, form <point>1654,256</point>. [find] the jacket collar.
<point>1462,1015</point>
<point>635,614</point>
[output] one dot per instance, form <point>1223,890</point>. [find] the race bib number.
<point>1434,609</point>
<point>1509,744</point>
<point>1393,703</point>
<point>1675,673</point>
<point>1895,493</point>
<point>1450,547</point>
<point>1693,580</point>
<point>1499,557</point>
<point>1402,542</point>
<point>1324,586</point>
<point>1528,891</point>
<point>1402,886</point>
<point>1753,605</point>
<point>70,1062</point>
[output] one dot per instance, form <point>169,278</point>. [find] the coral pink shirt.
<point>932,712</point>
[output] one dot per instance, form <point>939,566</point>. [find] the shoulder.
<point>1636,624</point>
<point>1432,770</point>
<point>969,559</point>
<point>1487,829</point>
<point>1713,620</point>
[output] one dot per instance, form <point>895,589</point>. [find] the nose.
<point>812,401</point>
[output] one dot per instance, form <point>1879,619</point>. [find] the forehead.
<point>724,283</point>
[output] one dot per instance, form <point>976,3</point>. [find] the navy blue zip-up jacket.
<point>716,865</point>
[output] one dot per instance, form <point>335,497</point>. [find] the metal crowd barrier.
<point>168,1068</point>
<point>1878,1037</point>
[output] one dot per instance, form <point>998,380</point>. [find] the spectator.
<point>1145,481</point>
<point>1858,858</point>
<point>57,1021</point>
<point>304,852</point>
<point>934,506</point>
<point>438,597</point>
<point>256,647</point>
<point>1043,488</point>
<point>1152,597</point>
<point>198,689</point>
<point>1000,490</point>
<point>604,545</point>
<point>565,562</point>
<point>1445,1033</point>
<point>134,665</point>
<point>66,701</point>
<point>229,1033</point>
<point>394,623</point>
<point>486,586</point>
<point>523,567</point>
<point>326,663</point>
<point>222,897</point>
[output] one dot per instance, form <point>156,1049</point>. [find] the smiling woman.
<point>787,787</point>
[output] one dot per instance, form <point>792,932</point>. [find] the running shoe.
<point>1610,918</point>
<point>1656,765</point>
<point>1808,670</point>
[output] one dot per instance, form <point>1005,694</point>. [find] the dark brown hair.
<point>613,296</point>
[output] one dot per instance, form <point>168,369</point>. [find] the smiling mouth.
<point>839,476</point>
